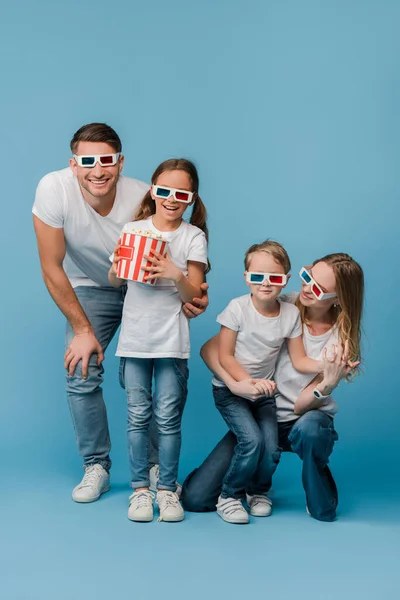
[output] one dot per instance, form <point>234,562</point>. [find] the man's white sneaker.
<point>260,505</point>
<point>95,482</point>
<point>141,506</point>
<point>232,510</point>
<point>154,475</point>
<point>170,508</point>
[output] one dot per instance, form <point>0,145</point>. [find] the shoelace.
<point>230,505</point>
<point>165,500</point>
<point>142,498</point>
<point>91,477</point>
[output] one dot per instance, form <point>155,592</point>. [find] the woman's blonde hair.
<point>347,312</point>
<point>199,214</point>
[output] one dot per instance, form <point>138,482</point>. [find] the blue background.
<point>291,112</point>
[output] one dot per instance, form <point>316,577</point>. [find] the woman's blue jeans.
<point>169,398</point>
<point>311,437</point>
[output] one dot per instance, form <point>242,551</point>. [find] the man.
<point>78,215</point>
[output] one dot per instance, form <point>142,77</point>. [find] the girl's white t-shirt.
<point>290,383</point>
<point>259,338</point>
<point>153,322</point>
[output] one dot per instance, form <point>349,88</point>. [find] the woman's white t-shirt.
<point>259,338</point>
<point>153,322</point>
<point>291,383</point>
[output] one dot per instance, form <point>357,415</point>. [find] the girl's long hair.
<point>199,214</point>
<point>347,313</point>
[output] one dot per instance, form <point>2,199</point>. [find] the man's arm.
<point>51,245</point>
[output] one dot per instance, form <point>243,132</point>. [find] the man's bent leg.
<point>103,307</point>
<point>312,437</point>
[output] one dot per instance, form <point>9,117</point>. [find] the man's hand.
<point>198,305</point>
<point>81,348</point>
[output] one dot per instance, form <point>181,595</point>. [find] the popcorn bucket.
<point>133,246</point>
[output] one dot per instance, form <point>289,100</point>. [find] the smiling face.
<point>168,208</point>
<point>96,182</point>
<point>325,277</point>
<point>264,262</point>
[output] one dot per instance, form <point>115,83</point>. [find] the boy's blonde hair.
<point>276,250</point>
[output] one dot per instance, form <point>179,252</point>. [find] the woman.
<point>330,305</point>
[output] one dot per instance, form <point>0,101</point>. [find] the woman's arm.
<point>299,359</point>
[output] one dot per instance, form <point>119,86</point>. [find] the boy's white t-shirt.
<point>290,383</point>
<point>153,322</point>
<point>89,237</point>
<point>259,338</point>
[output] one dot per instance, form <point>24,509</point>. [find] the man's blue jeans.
<point>311,437</point>
<point>170,392</point>
<point>103,308</point>
<point>255,455</point>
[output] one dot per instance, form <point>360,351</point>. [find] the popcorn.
<point>135,243</point>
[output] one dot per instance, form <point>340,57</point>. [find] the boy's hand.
<point>198,305</point>
<point>265,386</point>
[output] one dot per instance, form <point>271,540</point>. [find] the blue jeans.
<point>103,308</point>
<point>311,437</point>
<point>255,455</point>
<point>170,392</point>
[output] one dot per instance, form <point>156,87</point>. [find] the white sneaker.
<point>141,506</point>
<point>232,510</point>
<point>170,508</point>
<point>260,505</point>
<point>154,475</point>
<point>95,482</point>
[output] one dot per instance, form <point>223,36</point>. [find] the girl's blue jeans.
<point>167,400</point>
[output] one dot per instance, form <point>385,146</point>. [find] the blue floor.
<point>52,548</point>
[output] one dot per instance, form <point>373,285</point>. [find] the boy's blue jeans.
<point>311,437</point>
<point>168,401</point>
<point>255,455</point>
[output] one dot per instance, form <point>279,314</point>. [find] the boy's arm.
<point>226,351</point>
<point>299,359</point>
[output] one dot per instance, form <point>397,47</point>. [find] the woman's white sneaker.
<point>260,505</point>
<point>95,482</point>
<point>232,510</point>
<point>141,506</point>
<point>170,508</point>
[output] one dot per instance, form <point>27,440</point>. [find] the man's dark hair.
<point>96,132</point>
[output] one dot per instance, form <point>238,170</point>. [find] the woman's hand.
<point>161,266</point>
<point>336,367</point>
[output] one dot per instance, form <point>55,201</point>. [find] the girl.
<point>154,337</point>
<point>330,305</point>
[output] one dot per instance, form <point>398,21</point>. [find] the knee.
<point>77,385</point>
<point>139,409</point>
<point>312,437</point>
<point>252,445</point>
<point>168,421</point>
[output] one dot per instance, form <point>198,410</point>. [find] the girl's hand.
<point>116,259</point>
<point>162,266</point>
<point>337,365</point>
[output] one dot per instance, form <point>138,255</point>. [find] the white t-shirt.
<point>290,382</point>
<point>153,322</point>
<point>89,237</point>
<point>259,338</point>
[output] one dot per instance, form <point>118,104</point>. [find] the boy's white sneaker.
<point>260,505</point>
<point>154,475</point>
<point>232,510</point>
<point>170,508</point>
<point>95,482</point>
<point>141,506</point>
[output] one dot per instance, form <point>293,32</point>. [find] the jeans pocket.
<point>121,372</point>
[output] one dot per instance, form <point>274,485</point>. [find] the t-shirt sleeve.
<point>290,297</point>
<point>198,248</point>
<point>48,205</point>
<point>231,317</point>
<point>296,329</point>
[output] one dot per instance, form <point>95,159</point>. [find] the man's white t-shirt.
<point>290,383</point>
<point>259,338</point>
<point>89,237</point>
<point>153,322</point>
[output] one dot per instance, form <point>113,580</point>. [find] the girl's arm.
<point>336,368</point>
<point>188,287</point>
<point>299,359</point>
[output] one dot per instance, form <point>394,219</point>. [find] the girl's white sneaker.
<point>141,506</point>
<point>170,508</point>
<point>232,510</point>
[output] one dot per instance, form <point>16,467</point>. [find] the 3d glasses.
<point>316,289</point>
<point>160,191</point>
<point>271,278</point>
<point>105,160</point>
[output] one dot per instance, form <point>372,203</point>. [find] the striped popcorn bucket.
<point>133,247</point>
